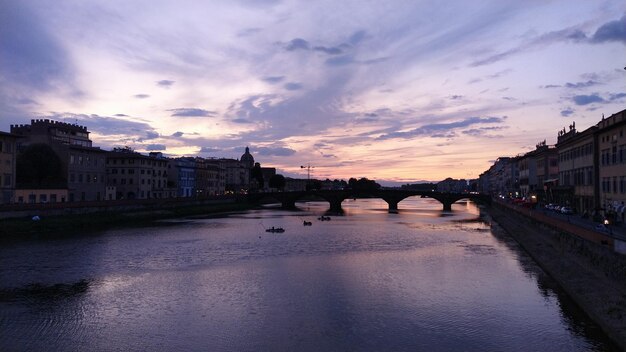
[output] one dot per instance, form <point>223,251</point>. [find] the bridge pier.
<point>393,207</point>
<point>447,206</point>
<point>335,206</point>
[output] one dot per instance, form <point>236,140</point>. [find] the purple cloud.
<point>587,99</point>
<point>192,112</point>
<point>165,83</point>
<point>614,31</point>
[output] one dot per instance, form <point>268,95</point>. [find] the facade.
<point>209,177</point>
<point>183,174</point>
<point>611,139</point>
<point>35,195</point>
<point>577,172</point>
<point>236,175</point>
<point>503,177</point>
<point>83,165</point>
<point>137,176</point>
<point>7,167</point>
<point>547,166</point>
<point>295,184</point>
<point>527,166</point>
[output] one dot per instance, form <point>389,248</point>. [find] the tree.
<point>363,184</point>
<point>39,166</point>
<point>277,181</point>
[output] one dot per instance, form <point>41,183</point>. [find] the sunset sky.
<point>390,90</point>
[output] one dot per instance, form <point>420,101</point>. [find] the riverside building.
<point>611,136</point>
<point>83,166</point>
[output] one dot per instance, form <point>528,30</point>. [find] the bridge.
<point>336,197</point>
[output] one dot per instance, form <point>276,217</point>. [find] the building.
<point>83,166</point>
<point>547,170</point>
<point>183,174</point>
<point>209,177</point>
<point>137,176</point>
<point>7,167</point>
<point>611,141</point>
<point>578,186</point>
<point>236,175</point>
<point>247,159</point>
<point>502,178</point>
<point>527,166</point>
<point>451,185</point>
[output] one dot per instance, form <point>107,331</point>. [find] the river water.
<point>419,280</point>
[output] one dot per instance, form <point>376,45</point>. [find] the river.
<point>418,280</point>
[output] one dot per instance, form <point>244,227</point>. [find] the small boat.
<point>307,223</point>
<point>275,229</point>
<point>324,218</point>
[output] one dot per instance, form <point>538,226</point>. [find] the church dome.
<point>247,159</point>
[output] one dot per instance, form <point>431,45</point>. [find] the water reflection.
<point>366,280</point>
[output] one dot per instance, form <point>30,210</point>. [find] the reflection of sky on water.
<point>365,280</point>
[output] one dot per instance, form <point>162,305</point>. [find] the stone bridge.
<point>336,197</point>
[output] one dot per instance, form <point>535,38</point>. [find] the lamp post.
<point>308,171</point>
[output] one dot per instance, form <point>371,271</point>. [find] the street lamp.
<point>308,168</point>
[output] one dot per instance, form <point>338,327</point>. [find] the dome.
<point>247,159</point>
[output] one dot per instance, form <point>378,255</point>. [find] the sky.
<point>396,91</point>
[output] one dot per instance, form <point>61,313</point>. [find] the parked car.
<point>567,210</point>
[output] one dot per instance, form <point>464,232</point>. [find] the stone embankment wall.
<point>120,206</point>
<point>592,273</point>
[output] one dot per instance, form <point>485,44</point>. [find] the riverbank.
<point>14,229</point>
<point>592,275</point>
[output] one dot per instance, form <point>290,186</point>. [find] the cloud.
<point>111,130</point>
<point>155,147</point>
<point>440,130</point>
<point>572,34</point>
<point>177,134</point>
<point>550,86</point>
<point>340,60</point>
<point>210,150</point>
<point>297,44</point>
<point>32,57</point>
<point>273,79</point>
<point>614,31</point>
<point>248,32</point>
<point>587,99</point>
<point>579,85</point>
<point>293,86</point>
<point>567,112</point>
<point>165,83</point>
<point>242,121</point>
<point>192,112</point>
<point>329,51</point>
<point>456,97</point>
<point>141,96</point>
<point>357,37</point>
<point>278,151</point>
<point>121,115</point>
<point>617,96</point>
<point>151,135</point>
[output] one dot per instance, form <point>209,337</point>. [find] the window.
<point>43,198</point>
<point>7,180</point>
<point>80,178</point>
